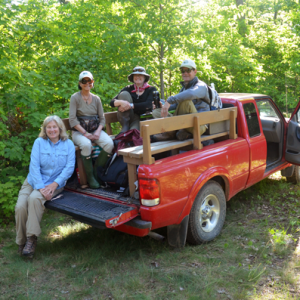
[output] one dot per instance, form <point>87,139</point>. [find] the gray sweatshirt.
<point>197,91</point>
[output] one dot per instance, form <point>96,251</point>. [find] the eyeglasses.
<point>84,81</point>
<point>186,71</point>
<point>139,70</point>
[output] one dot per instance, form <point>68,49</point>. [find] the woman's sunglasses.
<point>138,70</point>
<point>84,81</point>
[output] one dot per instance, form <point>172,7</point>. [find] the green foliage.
<point>252,47</point>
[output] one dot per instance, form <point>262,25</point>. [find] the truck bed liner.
<point>92,210</point>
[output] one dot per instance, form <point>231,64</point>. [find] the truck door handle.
<point>274,125</point>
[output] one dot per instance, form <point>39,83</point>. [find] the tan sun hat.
<point>138,70</point>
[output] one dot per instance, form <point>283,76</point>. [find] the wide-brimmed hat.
<point>86,74</point>
<point>139,70</point>
<point>188,63</point>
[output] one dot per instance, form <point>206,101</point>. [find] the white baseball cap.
<point>86,74</point>
<point>188,63</point>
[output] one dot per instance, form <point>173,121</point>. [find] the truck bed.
<point>102,208</point>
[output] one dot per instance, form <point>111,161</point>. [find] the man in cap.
<point>192,98</point>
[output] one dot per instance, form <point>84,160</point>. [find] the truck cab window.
<point>265,109</point>
<point>252,119</point>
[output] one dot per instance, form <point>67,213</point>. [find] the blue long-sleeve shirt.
<point>51,163</point>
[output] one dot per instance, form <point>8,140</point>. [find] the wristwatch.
<point>131,105</point>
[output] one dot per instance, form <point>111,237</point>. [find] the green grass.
<point>255,257</point>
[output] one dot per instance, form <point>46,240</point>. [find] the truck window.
<point>265,109</point>
<point>252,119</point>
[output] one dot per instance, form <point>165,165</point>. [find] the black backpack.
<point>114,173</point>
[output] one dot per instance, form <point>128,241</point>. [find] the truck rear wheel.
<point>295,178</point>
<point>207,215</point>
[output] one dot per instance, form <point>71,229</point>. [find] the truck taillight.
<point>149,192</point>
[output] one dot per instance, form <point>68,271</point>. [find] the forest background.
<point>240,45</point>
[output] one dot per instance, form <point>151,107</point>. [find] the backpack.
<point>215,100</point>
<point>114,173</point>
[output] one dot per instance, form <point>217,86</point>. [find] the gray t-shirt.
<point>79,108</point>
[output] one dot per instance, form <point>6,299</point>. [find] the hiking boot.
<point>183,135</point>
<point>100,162</point>
<point>30,246</point>
<point>88,167</point>
<point>20,249</point>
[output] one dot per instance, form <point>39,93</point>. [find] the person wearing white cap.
<point>87,120</point>
<point>192,98</point>
<point>134,100</point>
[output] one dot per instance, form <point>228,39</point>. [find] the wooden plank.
<point>232,129</point>
<point>214,136</point>
<point>147,158</point>
<point>186,121</point>
<point>110,117</point>
<point>66,123</point>
<point>132,178</point>
<point>133,161</point>
<point>196,134</point>
<point>137,152</point>
<point>82,175</point>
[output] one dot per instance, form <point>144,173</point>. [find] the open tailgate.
<point>92,210</point>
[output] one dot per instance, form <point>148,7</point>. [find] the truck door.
<point>292,140</point>
<point>257,144</point>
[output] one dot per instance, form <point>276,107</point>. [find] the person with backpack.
<point>192,98</point>
<point>134,100</point>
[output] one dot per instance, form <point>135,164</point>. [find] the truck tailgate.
<point>92,210</point>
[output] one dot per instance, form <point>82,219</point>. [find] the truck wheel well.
<point>220,180</point>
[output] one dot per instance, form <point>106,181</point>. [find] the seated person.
<point>134,100</point>
<point>87,120</point>
<point>192,98</point>
<point>52,163</point>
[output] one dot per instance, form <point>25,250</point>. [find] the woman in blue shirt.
<point>52,163</point>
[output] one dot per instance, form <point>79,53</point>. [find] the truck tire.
<point>207,215</point>
<point>295,178</point>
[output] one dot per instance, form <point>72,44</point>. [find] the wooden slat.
<point>110,117</point>
<point>67,124</point>
<point>185,121</point>
<point>133,161</point>
<point>196,134</point>
<point>137,152</point>
<point>132,178</point>
<point>147,158</point>
<point>214,136</point>
<point>82,175</point>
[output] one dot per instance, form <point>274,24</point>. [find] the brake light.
<point>149,192</point>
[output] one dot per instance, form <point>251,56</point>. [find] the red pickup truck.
<point>187,191</point>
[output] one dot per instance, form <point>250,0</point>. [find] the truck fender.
<point>202,179</point>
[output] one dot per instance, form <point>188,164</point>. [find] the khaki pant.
<point>183,108</point>
<point>29,211</point>
<point>105,142</point>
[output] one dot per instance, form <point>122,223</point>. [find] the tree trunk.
<point>161,58</point>
<point>161,74</point>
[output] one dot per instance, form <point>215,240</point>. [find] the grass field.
<point>255,257</point>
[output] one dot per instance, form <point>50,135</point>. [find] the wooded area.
<point>241,46</point>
